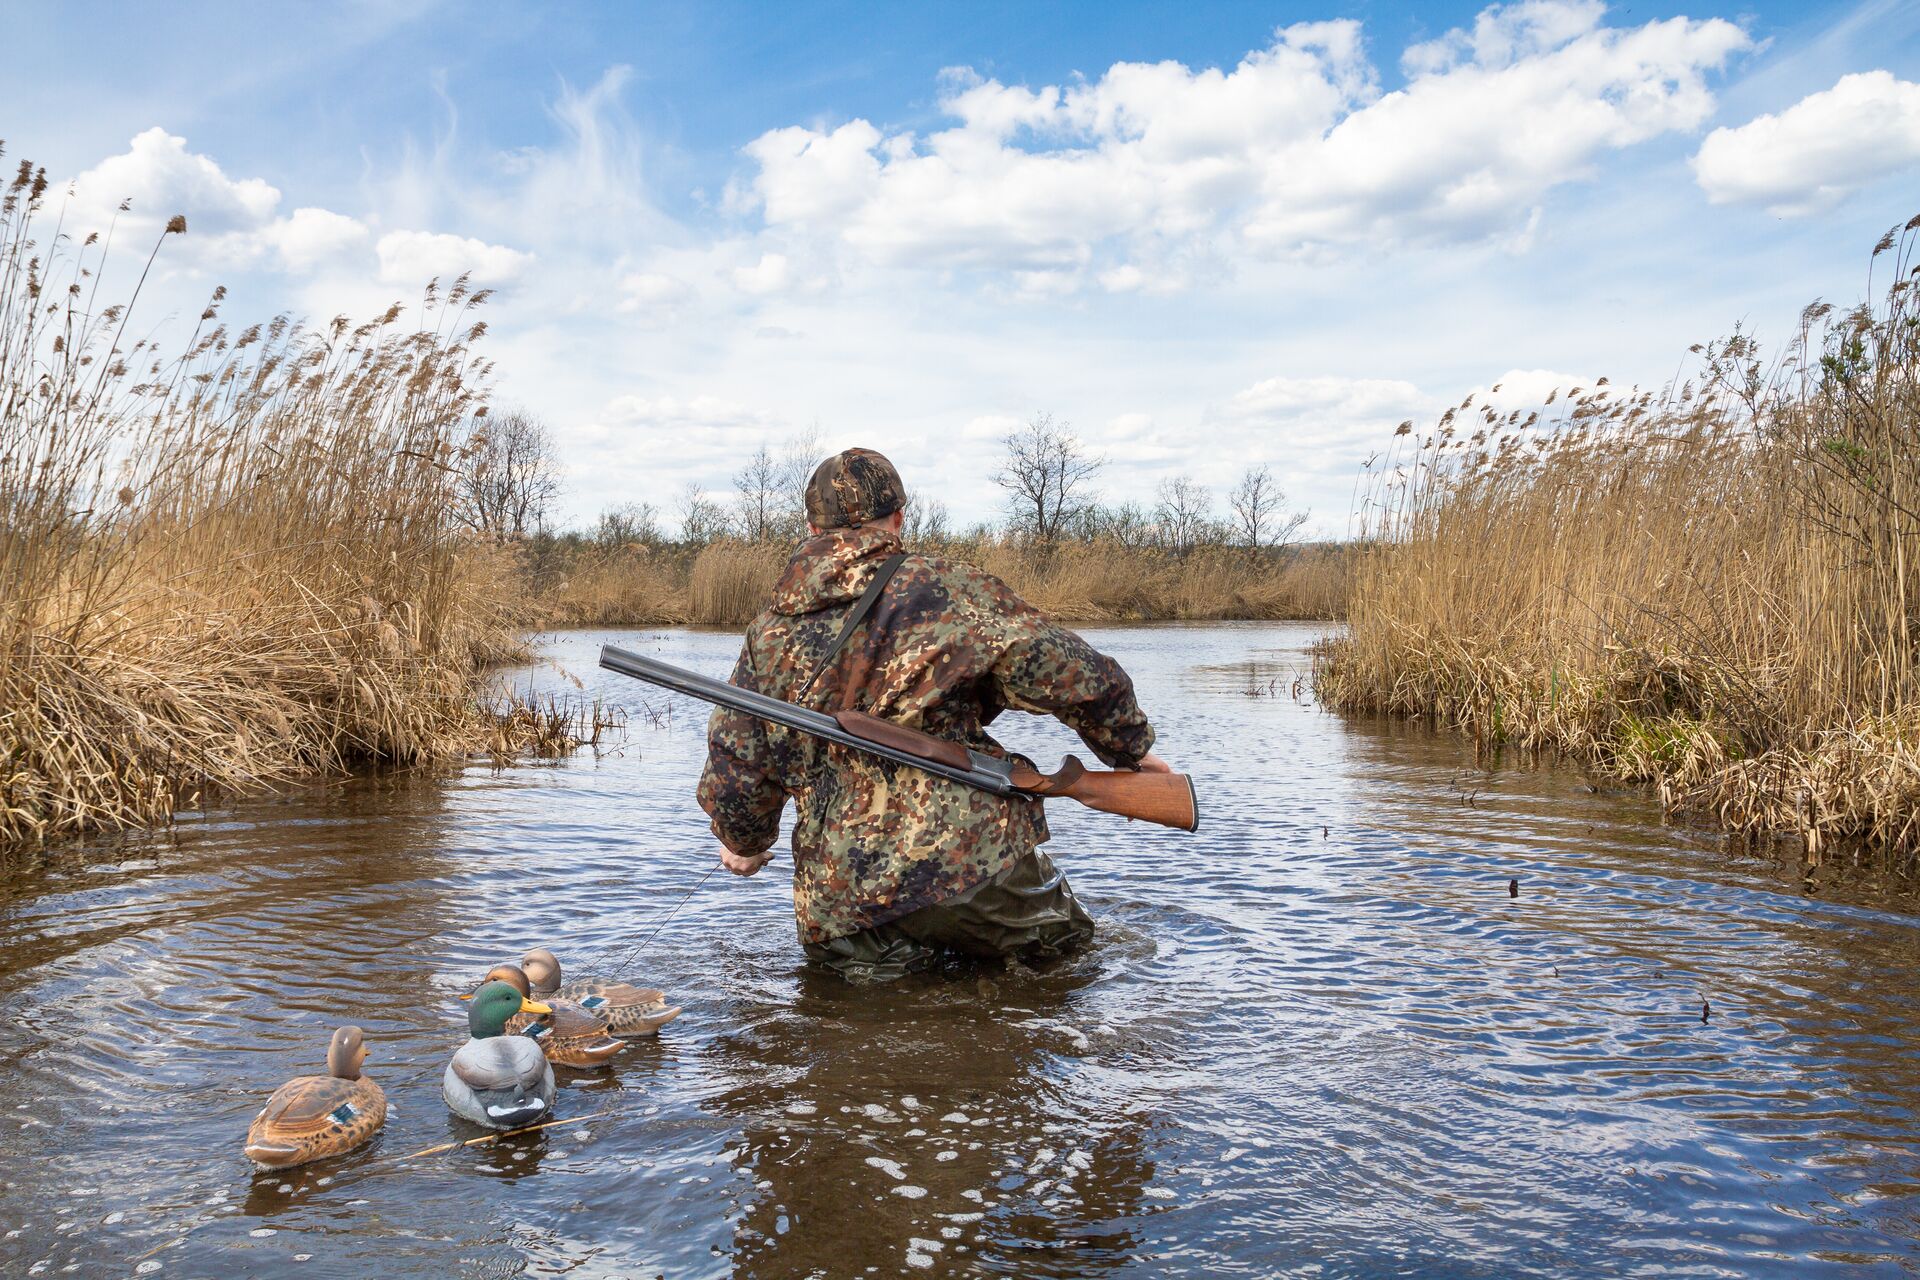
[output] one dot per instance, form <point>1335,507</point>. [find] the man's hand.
<point>743,864</point>
<point>1151,763</point>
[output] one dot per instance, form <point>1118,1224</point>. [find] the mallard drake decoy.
<point>498,1080</point>
<point>629,1010</point>
<point>570,1035</point>
<point>312,1117</point>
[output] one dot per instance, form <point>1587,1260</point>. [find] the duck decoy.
<point>499,1080</point>
<point>629,1010</point>
<point>312,1117</point>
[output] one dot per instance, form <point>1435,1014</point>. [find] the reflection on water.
<point>1320,1037</point>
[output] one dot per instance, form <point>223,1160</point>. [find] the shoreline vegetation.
<point>1713,589</point>
<point>727,583</point>
<point>233,566</point>
<point>1060,544</point>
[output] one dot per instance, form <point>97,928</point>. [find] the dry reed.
<point>1714,589</point>
<point>229,566</point>
<point>521,723</point>
<point>728,582</point>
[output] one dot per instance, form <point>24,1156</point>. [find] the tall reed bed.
<point>1715,589</point>
<point>226,564</point>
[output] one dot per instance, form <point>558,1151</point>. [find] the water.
<point>1319,1038</point>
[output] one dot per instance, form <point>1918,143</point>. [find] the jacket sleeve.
<point>1046,668</point>
<point>736,788</point>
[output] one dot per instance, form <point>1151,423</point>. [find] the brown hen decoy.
<point>629,1010</point>
<point>312,1117</point>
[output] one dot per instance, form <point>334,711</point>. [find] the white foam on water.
<point>919,1259</point>
<point>911,1193</point>
<point>948,1155</point>
<point>955,1117</point>
<point>888,1166</point>
<point>925,1246</point>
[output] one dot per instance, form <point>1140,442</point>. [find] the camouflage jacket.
<point>945,649</point>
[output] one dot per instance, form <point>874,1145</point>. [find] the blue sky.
<point>1207,236</point>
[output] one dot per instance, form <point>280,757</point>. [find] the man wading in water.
<point>895,868</point>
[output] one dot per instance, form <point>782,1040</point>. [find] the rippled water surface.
<point>1321,1037</point>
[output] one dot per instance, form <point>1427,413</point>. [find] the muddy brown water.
<point>1321,1037</point>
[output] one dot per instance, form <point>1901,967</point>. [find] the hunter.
<point>895,869</point>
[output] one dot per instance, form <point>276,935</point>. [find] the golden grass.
<point>230,566</point>
<point>1105,582</point>
<point>727,583</point>
<point>1714,590</point>
<point>731,581</point>
<point>632,585</point>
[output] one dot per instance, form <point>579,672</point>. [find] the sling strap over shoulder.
<point>855,615</point>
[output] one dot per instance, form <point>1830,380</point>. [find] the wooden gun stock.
<point>1163,798</point>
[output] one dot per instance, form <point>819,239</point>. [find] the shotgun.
<point>1163,798</point>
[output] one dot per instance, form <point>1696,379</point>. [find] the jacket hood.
<point>832,568</point>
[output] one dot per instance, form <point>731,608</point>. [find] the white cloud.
<point>415,257</point>
<point>158,177</point>
<point>1818,151</point>
<point>772,274</point>
<point>1283,402</point>
<point>1529,388</point>
<point>311,236</point>
<point>990,428</point>
<point>1154,167</point>
<point>648,290</point>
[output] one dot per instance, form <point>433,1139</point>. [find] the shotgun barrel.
<point>1166,799</point>
<point>982,771</point>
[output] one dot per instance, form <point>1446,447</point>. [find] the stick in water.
<point>495,1137</point>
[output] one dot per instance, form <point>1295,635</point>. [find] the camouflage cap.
<point>851,488</point>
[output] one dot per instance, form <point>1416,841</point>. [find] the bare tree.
<point>1126,524</point>
<point>798,458</point>
<point>701,518</point>
<point>1184,514</point>
<point>1047,476</point>
<point>926,521</point>
<point>627,523</point>
<point>1260,511</point>
<point>757,504</point>
<point>511,476</point>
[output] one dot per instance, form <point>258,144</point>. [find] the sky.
<point>1207,237</point>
